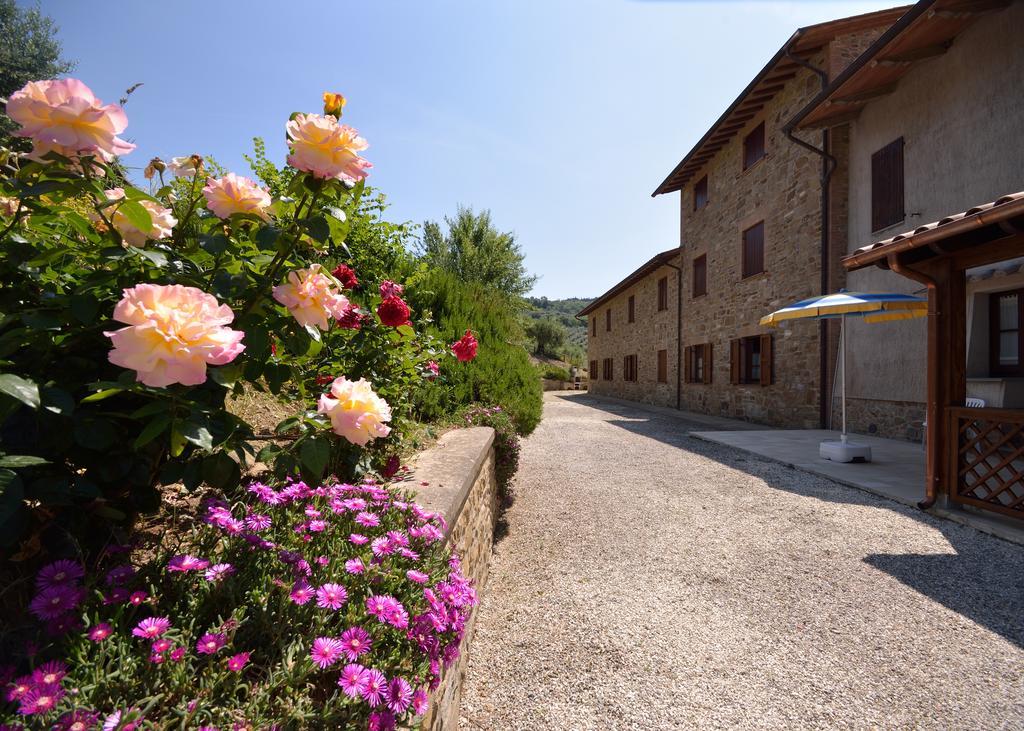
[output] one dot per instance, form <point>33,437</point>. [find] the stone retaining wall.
<point>462,486</point>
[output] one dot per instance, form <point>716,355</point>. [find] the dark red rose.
<point>344,274</point>
<point>393,312</point>
<point>351,319</point>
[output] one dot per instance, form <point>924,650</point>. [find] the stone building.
<point>756,234</point>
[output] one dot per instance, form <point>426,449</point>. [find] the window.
<point>662,294</point>
<point>607,369</point>
<point>753,250</point>
<point>631,309</point>
<point>698,363</point>
<point>608,320</point>
<point>751,360</point>
<point>753,146</point>
<point>1005,314</point>
<point>593,325</point>
<point>700,275</point>
<point>887,186</point>
<point>629,368</point>
<point>662,366</point>
<point>592,373</point>
<point>700,193</point>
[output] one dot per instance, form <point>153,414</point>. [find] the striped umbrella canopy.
<point>872,306</point>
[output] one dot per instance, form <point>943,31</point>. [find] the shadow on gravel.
<point>983,581</point>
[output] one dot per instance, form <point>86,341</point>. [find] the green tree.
<point>549,336</point>
<point>29,51</point>
<point>475,251</point>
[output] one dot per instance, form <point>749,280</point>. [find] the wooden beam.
<point>867,94</point>
<point>916,54</point>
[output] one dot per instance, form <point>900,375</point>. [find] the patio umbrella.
<point>872,306</point>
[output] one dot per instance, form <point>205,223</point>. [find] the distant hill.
<point>564,311</point>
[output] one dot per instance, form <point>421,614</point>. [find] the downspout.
<point>828,166</point>
<point>931,487</point>
<point>679,330</point>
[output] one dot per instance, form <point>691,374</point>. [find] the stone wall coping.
<point>450,468</point>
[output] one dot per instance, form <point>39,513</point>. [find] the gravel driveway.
<point>653,581</point>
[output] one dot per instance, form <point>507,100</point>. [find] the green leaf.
<point>220,471</point>
<point>215,245</point>
<point>314,454</point>
<point>57,400</point>
<point>268,454</point>
<point>137,215</point>
<point>226,375</point>
<point>198,435</point>
<point>406,330</point>
<point>95,434</point>
<point>41,320</point>
<point>317,228</point>
<point>266,237</point>
<point>84,307</point>
<point>14,461</point>
<point>20,388</point>
<point>105,511</point>
<point>177,440</point>
<point>158,258</point>
<point>152,430</point>
<point>12,492</point>
<point>100,395</point>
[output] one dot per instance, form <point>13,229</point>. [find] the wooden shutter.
<point>700,275</point>
<point>662,366</point>
<point>688,363</point>
<point>700,193</point>
<point>708,363</point>
<point>608,319</point>
<point>766,360</point>
<point>632,308</point>
<point>753,146</point>
<point>887,186</point>
<point>735,366</point>
<point>753,250</point>
<point>593,370</point>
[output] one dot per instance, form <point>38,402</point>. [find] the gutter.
<point>679,329</point>
<point>828,166</point>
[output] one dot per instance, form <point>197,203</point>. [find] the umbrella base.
<point>839,451</point>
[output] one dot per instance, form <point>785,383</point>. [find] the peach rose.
<point>311,297</point>
<point>325,148</point>
<point>63,116</point>
<point>334,103</point>
<point>174,333</point>
<point>236,194</point>
<point>163,221</point>
<point>356,412</point>
<point>185,166</point>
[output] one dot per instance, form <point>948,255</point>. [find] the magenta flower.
<point>257,522</point>
<point>317,526</point>
<point>50,673</point>
<point>219,571</point>
<point>152,627</point>
<point>100,632</point>
<point>210,643</point>
<point>355,641</point>
<point>40,699</point>
<point>137,597</point>
<point>77,721</point>
<point>392,612</point>
<point>325,652</point>
<point>358,539</point>
<point>353,680</point>
<point>354,566</point>
<point>187,563</point>
<point>161,646</point>
<point>331,596</point>
<point>417,576</point>
<point>399,695</point>
<point>177,654</point>
<point>302,592</point>
<point>54,601</point>
<point>370,520</point>
<point>119,574</point>
<point>59,573</point>
<point>420,702</point>
<point>381,721</point>
<point>381,546</point>
<point>239,661</point>
<point>19,688</point>
<point>374,687</point>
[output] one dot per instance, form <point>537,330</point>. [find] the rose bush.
<point>301,607</point>
<point>223,286</point>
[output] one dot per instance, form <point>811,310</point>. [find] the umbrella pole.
<point>842,338</point>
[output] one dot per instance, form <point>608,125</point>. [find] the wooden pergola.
<point>974,456</point>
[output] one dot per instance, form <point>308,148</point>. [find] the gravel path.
<point>653,581</point>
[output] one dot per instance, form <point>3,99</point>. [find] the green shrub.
<point>501,374</point>
<point>553,372</point>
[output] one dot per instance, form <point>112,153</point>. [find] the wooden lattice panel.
<point>989,461</point>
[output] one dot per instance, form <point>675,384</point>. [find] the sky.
<point>559,117</point>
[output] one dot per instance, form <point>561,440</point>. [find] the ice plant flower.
<point>325,651</point>
<point>311,297</point>
<point>162,220</point>
<point>239,661</point>
<point>174,333</point>
<point>354,566</point>
<point>40,699</point>
<point>236,194</point>
<point>393,312</point>
<point>420,702</point>
<point>136,598</point>
<point>465,348</point>
<point>352,680</point>
<point>355,641</point>
<point>64,116</point>
<point>219,571</point>
<point>302,593</point>
<point>331,596</point>
<point>185,562</point>
<point>78,720</point>
<point>58,573</point>
<point>356,412</point>
<point>326,149</point>
<point>54,601</point>
<point>417,576</point>
<point>100,632</point>
<point>209,643</point>
<point>399,695</point>
<point>152,627</point>
<point>374,687</point>
<point>50,673</point>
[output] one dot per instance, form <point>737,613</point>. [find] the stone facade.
<point>652,330</point>
<point>462,486</point>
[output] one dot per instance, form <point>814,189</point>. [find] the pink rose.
<point>325,148</point>
<point>63,116</point>
<point>465,348</point>
<point>311,297</point>
<point>235,194</point>
<point>356,412</point>
<point>174,333</point>
<point>163,221</point>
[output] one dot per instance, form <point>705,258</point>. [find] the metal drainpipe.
<point>931,488</point>
<point>679,330</point>
<point>828,166</point>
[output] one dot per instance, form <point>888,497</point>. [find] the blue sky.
<point>560,117</point>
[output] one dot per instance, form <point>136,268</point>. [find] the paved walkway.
<point>650,580</point>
